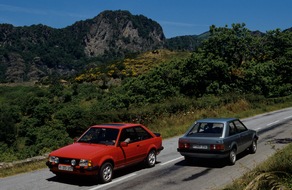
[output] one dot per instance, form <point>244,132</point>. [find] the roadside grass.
<point>23,168</point>
<point>174,125</point>
<point>274,173</point>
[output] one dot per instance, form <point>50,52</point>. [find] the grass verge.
<point>23,168</point>
<point>274,173</point>
<point>174,125</point>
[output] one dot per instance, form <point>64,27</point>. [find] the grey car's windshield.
<point>206,129</point>
<point>106,136</point>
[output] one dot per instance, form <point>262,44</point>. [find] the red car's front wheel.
<point>106,172</point>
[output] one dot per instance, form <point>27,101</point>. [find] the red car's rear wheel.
<point>151,158</point>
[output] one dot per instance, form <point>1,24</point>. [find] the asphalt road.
<point>171,171</point>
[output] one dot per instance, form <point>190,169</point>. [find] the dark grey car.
<point>217,138</point>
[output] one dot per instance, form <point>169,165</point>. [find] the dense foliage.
<point>56,46</point>
<point>232,64</point>
<point>186,43</point>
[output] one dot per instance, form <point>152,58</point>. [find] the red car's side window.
<point>134,134</point>
<point>128,135</point>
<point>142,133</point>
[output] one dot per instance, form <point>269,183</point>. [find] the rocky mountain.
<point>112,32</point>
<point>38,52</point>
<point>288,30</point>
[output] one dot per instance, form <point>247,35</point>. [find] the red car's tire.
<point>106,172</point>
<point>151,159</point>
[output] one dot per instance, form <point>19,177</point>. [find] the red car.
<point>106,147</point>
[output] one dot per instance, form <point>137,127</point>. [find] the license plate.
<point>65,168</point>
<point>200,147</point>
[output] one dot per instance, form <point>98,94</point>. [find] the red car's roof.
<point>117,125</point>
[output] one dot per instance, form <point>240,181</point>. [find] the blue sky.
<point>177,17</point>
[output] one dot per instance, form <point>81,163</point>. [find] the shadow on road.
<point>281,141</point>
<point>90,181</point>
<point>74,180</point>
<point>208,162</point>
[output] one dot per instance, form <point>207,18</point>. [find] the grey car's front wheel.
<point>253,147</point>
<point>232,156</point>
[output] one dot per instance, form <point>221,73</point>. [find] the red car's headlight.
<point>54,159</point>
<point>85,163</point>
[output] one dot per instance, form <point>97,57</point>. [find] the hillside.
<point>132,65</point>
<point>39,52</point>
<point>186,43</point>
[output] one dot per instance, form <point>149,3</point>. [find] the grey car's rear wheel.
<point>232,156</point>
<point>106,172</point>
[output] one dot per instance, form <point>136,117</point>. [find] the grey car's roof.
<point>214,120</point>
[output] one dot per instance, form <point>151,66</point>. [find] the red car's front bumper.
<point>76,170</point>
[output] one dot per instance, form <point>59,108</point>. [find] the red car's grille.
<point>68,161</point>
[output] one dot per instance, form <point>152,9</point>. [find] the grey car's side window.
<point>240,127</point>
<point>232,129</point>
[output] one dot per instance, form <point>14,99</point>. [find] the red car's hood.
<point>81,150</point>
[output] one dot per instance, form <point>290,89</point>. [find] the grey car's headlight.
<point>85,163</point>
<point>54,159</point>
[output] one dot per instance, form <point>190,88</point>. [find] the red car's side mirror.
<point>123,144</point>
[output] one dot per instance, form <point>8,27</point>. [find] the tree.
<point>233,46</point>
<point>74,119</point>
<point>9,116</point>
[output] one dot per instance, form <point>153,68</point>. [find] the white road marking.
<point>171,161</point>
<point>130,175</point>
<point>288,117</point>
<point>273,123</point>
<point>279,120</point>
<point>114,181</point>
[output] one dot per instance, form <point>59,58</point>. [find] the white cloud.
<point>20,9</point>
<point>17,9</point>
<point>181,24</point>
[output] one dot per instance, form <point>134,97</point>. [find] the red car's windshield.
<point>100,136</point>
